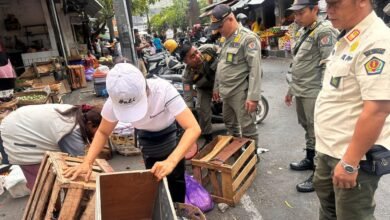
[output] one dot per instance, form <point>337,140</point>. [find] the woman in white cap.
<point>152,106</point>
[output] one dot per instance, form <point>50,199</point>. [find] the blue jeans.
<point>4,156</point>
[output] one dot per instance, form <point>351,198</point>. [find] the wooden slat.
<point>206,149</point>
<point>39,186</point>
<point>214,182</point>
<point>222,167</point>
<point>89,213</point>
<point>222,142</point>
<point>229,150</point>
<point>197,173</point>
<point>244,173</point>
<point>245,186</point>
<point>242,159</point>
<point>71,203</point>
<point>226,182</point>
<point>53,199</point>
<point>29,210</point>
<point>104,166</point>
<point>44,197</point>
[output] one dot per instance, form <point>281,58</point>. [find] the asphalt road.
<point>272,196</point>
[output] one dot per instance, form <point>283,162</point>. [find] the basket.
<point>22,102</point>
<point>124,144</point>
<point>9,105</point>
<point>54,87</point>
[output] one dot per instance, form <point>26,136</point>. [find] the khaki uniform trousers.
<point>305,113</point>
<point>203,108</point>
<point>343,204</point>
<point>238,121</point>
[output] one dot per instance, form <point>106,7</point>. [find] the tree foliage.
<point>174,16</point>
<point>105,14</point>
<point>140,7</point>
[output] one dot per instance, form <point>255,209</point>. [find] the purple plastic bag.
<point>196,195</point>
<point>89,74</point>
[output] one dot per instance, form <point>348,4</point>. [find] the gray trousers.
<point>203,108</point>
<point>305,113</point>
<point>343,204</point>
<point>238,121</point>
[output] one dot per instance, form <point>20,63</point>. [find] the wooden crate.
<point>76,75</point>
<point>226,167</point>
<point>133,195</point>
<point>54,195</point>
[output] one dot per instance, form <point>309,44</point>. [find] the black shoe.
<point>306,186</point>
<point>304,164</point>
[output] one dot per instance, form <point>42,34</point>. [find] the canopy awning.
<point>91,7</point>
<point>207,10</point>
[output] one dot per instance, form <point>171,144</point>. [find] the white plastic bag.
<point>15,183</point>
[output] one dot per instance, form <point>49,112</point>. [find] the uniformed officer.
<point>200,71</point>
<point>352,111</point>
<point>238,73</point>
<point>315,42</point>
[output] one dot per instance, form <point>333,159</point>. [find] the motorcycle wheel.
<point>262,110</point>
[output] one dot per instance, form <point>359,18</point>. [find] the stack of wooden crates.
<point>56,197</point>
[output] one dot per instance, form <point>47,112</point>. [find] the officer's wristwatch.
<point>349,168</point>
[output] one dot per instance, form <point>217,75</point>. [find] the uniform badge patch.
<point>374,66</point>
<point>353,35</point>
<point>326,41</point>
<point>229,58</point>
<point>335,81</point>
<point>252,45</point>
<point>374,51</point>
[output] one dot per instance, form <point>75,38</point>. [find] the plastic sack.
<point>196,195</point>
<point>15,183</point>
<point>89,74</point>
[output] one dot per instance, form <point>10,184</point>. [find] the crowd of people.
<point>340,86</point>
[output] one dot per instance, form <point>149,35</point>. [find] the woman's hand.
<point>162,169</point>
<point>82,169</point>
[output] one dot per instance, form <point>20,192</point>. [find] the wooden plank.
<point>206,149</point>
<point>222,142</point>
<point>197,171</point>
<point>71,203</point>
<point>39,186</point>
<point>229,150</point>
<point>44,197</point>
<point>103,164</point>
<point>29,210</point>
<point>214,182</point>
<point>218,199</point>
<point>53,199</point>
<point>89,213</point>
<point>126,194</point>
<point>242,159</point>
<point>222,167</point>
<point>227,181</point>
<point>245,186</point>
<point>244,173</point>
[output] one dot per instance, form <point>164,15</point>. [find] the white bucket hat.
<point>126,87</point>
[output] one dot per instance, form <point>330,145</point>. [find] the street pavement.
<point>272,195</point>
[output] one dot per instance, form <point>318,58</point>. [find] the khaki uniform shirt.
<point>202,77</point>
<point>306,70</point>
<point>357,70</point>
<point>239,66</point>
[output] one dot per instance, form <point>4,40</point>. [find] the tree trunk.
<point>110,28</point>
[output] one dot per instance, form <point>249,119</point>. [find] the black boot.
<point>307,185</point>
<point>305,164</point>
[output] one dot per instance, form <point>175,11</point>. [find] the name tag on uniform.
<point>229,58</point>
<point>335,81</point>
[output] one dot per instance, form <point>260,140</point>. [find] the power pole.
<point>123,17</point>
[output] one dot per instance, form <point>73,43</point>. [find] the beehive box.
<point>133,195</point>
<point>56,197</point>
<point>226,167</point>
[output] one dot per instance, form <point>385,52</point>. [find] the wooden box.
<point>77,76</point>
<point>56,197</point>
<point>133,195</point>
<point>226,167</point>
